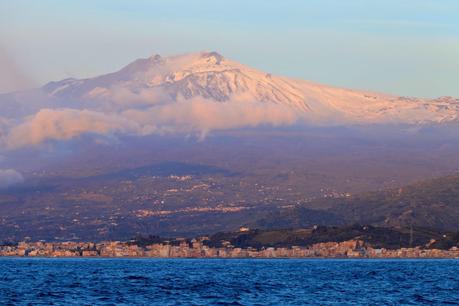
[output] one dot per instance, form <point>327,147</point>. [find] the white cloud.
<point>198,116</point>
<point>120,97</point>
<point>63,124</point>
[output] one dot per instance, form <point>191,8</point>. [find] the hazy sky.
<point>406,47</point>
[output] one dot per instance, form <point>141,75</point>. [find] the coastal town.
<point>196,248</point>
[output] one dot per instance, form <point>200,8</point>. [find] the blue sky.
<point>405,47</point>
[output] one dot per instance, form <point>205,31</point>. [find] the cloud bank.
<point>203,116</point>
<point>199,116</point>
<point>9,177</point>
<point>64,124</point>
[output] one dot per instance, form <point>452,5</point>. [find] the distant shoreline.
<point>235,258</point>
<point>351,249</point>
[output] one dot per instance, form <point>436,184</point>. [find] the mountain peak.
<point>156,58</point>
<point>208,75</point>
<point>213,57</point>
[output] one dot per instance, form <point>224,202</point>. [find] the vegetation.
<point>432,204</point>
<point>377,237</point>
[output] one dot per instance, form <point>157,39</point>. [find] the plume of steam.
<point>11,76</point>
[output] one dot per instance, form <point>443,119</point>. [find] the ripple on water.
<point>228,282</point>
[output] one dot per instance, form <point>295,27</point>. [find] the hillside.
<point>183,199</point>
<point>198,143</point>
<point>433,204</point>
<point>376,237</point>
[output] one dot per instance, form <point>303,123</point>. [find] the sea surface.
<point>227,282</point>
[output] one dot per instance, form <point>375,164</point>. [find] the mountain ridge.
<point>211,76</point>
<point>195,94</point>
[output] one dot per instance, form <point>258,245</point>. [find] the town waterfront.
<point>197,248</point>
<point>89,281</point>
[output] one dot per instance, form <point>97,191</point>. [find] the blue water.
<point>227,282</point>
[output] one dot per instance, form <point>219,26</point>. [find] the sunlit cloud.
<point>199,116</point>
<point>64,124</point>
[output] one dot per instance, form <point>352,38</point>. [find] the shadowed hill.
<point>433,204</point>
<point>377,237</point>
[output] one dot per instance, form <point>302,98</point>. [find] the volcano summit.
<point>198,93</point>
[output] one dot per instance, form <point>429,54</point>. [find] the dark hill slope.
<point>378,237</point>
<point>432,204</point>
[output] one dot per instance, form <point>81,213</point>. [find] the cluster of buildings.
<point>145,213</point>
<point>196,248</point>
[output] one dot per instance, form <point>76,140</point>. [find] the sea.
<point>84,281</point>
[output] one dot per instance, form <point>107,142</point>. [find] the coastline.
<point>352,249</point>
<point>235,258</point>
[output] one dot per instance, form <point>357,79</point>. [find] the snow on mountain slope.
<point>197,93</point>
<point>209,75</point>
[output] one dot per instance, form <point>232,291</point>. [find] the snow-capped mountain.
<point>207,75</point>
<point>197,93</point>
<point>157,80</point>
